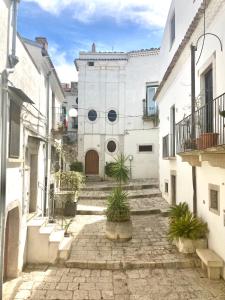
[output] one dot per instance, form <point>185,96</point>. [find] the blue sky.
<point>72,25</point>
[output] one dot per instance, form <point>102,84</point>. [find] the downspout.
<point>193,132</point>
<point>12,61</point>
<point>47,148</point>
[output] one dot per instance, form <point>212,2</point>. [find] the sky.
<point>71,26</point>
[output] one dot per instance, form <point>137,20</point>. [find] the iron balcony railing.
<point>205,129</point>
<point>168,143</point>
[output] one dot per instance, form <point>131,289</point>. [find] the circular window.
<point>92,115</point>
<point>111,146</point>
<point>112,115</point>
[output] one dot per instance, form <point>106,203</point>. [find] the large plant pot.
<point>190,246</point>
<point>207,140</point>
<point>119,231</point>
<point>70,209</point>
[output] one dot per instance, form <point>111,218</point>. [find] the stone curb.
<point>126,188</point>
<point>119,265</point>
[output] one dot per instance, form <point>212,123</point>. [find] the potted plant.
<point>76,166</point>
<point>66,227</point>
<point>118,224</point>
<point>185,230</point>
<point>70,183</point>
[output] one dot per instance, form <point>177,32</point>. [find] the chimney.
<point>42,41</point>
<point>93,48</point>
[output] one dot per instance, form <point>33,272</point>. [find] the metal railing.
<point>205,129</point>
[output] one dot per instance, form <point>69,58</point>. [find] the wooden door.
<point>208,100</point>
<point>92,163</point>
<point>173,190</point>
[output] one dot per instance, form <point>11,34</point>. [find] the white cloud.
<point>65,70</point>
<point>144,12</point>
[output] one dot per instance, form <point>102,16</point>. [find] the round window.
<point>112,115</point>
<point>111,146</point>
<point>92,115</point>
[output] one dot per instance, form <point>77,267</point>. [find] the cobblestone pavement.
<point>148,245</point>
<point>135,204</point>
<point>156,284</point>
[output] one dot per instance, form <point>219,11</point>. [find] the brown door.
<point>173,190</point>
<point>92,163</point>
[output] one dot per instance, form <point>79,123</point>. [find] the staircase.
<point>144,197</point>
<point>46,242</point>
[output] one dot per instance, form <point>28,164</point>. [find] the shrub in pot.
<point>108,169</point>
<point>187,231</point>
<point>119,225</point>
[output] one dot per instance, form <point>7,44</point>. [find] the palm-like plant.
<point>177,211</point>
<point>119,170</point>
<point>118,209</point>
<point>187,226</point>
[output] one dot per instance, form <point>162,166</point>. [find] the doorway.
<point>92,163</point>
<point>11,244</point>
<point>33,183</point>
<point>173,189</point>
<point>208,80</point>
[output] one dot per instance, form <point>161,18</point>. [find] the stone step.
<point>101,212</point>
<point>125,187</point>
<point>93,178</point>
<point>95,195</point>
<point>191,262</point>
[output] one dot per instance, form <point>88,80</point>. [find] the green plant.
<point>119,170</point>
<point>108,169</point>
<point>70,180</point>
<point>118,209</point>
<point>178,210</point>
<point>187,226</point>
<point>66,226</point>
<point>76,166</point>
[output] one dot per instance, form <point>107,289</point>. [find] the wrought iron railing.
<point>205,129</point>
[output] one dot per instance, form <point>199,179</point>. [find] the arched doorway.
<point>92,163</point>
<point>11,244</point>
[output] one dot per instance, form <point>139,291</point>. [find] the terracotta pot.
<point>207,140</point>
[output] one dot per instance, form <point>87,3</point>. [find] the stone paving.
<point>149,246</point>
<point>157,284</point>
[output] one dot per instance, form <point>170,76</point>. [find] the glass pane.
<point>151,105</point>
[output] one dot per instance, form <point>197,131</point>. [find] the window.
<point>172,131</point>
<point>145,148</point>
<point>166,188</point>
<point>92,115</point>
<point>91,64</point>
<point>112,115</point>
<point>214,204</point>
<point>14,130</point>
<point>151,107</point>
<point>172,30</point>
<point>74,122</point>
<point>111,146</point>
<point>77,100</point>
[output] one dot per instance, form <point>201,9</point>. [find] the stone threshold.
<point>133,212</point>
<point>126,187</point>
<point>137,196</point>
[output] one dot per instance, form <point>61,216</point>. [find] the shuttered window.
<point>14,130</point>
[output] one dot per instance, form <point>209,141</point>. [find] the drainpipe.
<point>193,132</point>
<point>47,148</point>
<point>12,61</point>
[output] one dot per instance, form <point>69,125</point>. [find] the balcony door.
<point>208,78</point>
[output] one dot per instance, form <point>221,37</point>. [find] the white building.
<point>28,96</point>
<point>116,113</point>
<point>187,148</point>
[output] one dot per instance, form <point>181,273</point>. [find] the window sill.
<point>170,158</point>
<point>15,160</point>
<point>215,211</point>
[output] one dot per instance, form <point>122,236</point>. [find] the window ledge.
<point>15,160</point>
<point>170,158</point>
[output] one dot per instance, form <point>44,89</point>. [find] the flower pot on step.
<point>119,231</point>
<point>189,246</point>
<point>208,140</point>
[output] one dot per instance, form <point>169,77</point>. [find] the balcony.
<point>168,149</point>
<point>150,112</point>
<point>201,137</point>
